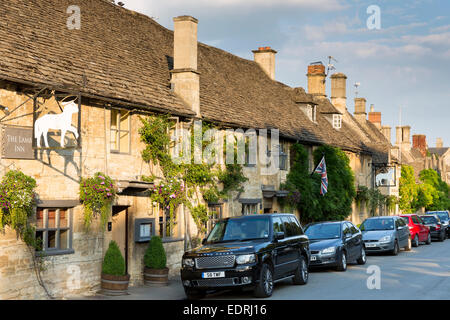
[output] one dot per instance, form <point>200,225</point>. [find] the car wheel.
<point>442,237</point>
<point>264,288</point>
<point>301,274</point>
<point>428,239</point>
<point>342,264</point>
<point>363,258</point>
<point>396,249</point>
<point>194,294</point>
<point>416,241</point>
<point>409,245</point>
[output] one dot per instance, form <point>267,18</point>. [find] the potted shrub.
<point>155,269</point>
<point>114,278</point>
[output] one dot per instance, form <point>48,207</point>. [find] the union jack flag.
<point>322,170</point>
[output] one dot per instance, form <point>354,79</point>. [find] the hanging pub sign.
<point>56,121</point>
<point>17,143</point>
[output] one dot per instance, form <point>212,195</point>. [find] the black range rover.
<point>250,252</point>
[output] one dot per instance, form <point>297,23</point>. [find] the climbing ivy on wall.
<point>198,180</point>
<point>304,187</point>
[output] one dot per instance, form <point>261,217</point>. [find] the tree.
<point>433,192</point>
<point>408,189</point>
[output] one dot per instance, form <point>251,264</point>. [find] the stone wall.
<point>64,275</point>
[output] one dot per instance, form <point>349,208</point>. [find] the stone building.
<point>420,156</point>
<point>116,73</point>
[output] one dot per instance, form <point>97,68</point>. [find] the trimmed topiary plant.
<point>155,270</point>
<point>113,263</point>
<point>114,278</point>
<point>155,256</point>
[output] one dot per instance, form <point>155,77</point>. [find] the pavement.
<point>422,273</point>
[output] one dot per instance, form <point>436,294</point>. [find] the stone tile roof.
<point>123,55</point>
<point>438,151</point>
<point>116,54</point>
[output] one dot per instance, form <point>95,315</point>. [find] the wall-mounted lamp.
<point>4,109</point>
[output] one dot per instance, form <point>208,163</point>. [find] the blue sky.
<point>404,64</point>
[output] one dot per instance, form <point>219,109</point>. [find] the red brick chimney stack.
<point>375,117</point>
<point>420,143</point>
<point>316,79</point>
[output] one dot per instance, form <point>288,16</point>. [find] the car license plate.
<point>208,275</point>
<point>313,258</point>
<point>371,245</point>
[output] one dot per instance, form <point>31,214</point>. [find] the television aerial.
<point>356,85</point>
<point>330,66</point>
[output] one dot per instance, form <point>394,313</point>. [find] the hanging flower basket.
<point>97,195</point>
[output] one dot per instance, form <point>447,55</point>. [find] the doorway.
<point>120,230</point>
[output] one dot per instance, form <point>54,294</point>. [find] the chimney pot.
<point>386,130</point>
<point>339,91</point>
<point>185,78</point>
<point>375,117</point>
<point>420,143</point>
<point>265,57</point>
<point>316,79</point>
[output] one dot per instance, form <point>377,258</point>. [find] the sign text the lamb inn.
<point>17,143</point>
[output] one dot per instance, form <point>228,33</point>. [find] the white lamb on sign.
<point>62,121</point>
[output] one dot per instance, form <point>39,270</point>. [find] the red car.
<point>419,232</point>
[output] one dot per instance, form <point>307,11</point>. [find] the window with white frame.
<point>283,156</point>
<point>337,121</point>
<point>250,208</point>
<point>120,131</point>
<point>54,230</point>
<point>311,112</point>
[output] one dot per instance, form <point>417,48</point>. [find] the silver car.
<point>385,234</point>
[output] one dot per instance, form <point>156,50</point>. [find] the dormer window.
<point>337,121</point>
<point>311,112</point>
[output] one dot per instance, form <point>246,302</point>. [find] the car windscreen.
<point>239,230</point>
<point>323,231</point>
<point>429,219</point>
<point>442,215</point>
<point>377,224</point>
<point>406,219</point>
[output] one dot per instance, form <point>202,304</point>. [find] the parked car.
<point>444,216</point>
<point>385,234</point>
<point>248,252</point>
<point>335,244</point>
<point>419,232</point>
<point>437,228</point>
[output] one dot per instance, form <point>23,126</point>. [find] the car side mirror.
<point>204,241</point>
<point>279,235</point>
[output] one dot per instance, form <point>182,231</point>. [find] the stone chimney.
<point>185,77</point>
<point>420,143</point>
<point>439,143</point>
<point>339,91</point>
<point>360,109</point>
<point>316,79</point>
<point>386,131</point>
<point>375,117</point>
<point>403,138</point>
<point>265,57</point>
